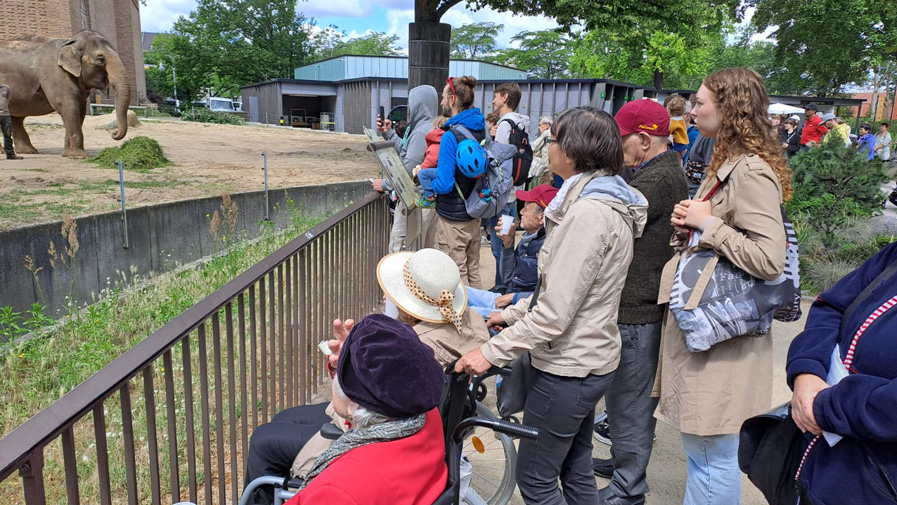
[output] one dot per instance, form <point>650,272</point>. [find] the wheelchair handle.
<point>498,425</point>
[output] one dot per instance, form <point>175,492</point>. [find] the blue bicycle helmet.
<point>471,159</point>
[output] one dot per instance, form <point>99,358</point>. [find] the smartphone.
<point>382,115</point>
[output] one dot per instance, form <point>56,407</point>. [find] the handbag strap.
<point>535,299</point>
<point>875,284</point>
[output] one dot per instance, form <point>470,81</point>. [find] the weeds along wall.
<point>62,265</point>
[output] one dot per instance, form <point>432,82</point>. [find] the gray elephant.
<point>46,75</point>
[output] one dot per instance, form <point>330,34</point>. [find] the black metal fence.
<point>170,419</point>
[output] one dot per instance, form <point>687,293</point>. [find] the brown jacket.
<point>572,332</point>
<point>713,392</point>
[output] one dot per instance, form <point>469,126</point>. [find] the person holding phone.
<point>412,147</point>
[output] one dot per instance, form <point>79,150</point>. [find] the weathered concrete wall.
<point>160,238</point>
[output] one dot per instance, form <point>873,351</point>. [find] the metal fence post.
<point>265,168</point>
<point>124,212</point>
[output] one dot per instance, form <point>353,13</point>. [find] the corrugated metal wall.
<point>540,98</point>
<point>356,106</point>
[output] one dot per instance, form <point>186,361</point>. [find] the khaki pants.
<point>461,241</point>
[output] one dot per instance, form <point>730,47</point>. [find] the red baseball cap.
<point>643,116</point>
<point>542,194</point>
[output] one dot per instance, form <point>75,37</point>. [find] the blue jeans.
<point>482,301</point>
<point>426,177</point>
<point>713,474</point>
<point>495,242</point>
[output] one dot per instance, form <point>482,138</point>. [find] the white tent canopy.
<point>780,108</point>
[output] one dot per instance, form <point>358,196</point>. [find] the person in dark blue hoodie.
<point>861,468</point>
<point>458,234</point>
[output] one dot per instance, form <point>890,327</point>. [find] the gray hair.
<point>361,417</point>
<point>546,119</point>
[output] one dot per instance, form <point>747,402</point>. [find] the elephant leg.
<point>20,137</point>
<point>73,118</point>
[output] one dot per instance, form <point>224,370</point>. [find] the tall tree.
<point>227,43</point>
<point>543,54</point>
<point>824,44</point>
<point>475,40</point>
<point>370,44</point>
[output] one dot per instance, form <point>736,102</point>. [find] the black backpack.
<point>524,157</point>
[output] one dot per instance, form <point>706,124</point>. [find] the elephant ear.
<point>70,58</point>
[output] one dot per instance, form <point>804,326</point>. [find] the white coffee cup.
<point>506,222</point>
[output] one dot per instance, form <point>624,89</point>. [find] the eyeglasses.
<point>451,85</point>
<point>550,140</point>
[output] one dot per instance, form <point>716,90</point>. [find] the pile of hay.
<point>140,154</point>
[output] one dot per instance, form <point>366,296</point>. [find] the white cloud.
<point>327,8</point>
<point>160,15</point>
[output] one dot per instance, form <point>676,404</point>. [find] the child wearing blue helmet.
<point>471,157</point>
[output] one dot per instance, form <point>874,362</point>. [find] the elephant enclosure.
<point>206,160</point>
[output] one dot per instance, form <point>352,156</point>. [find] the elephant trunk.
<point>118,80</point>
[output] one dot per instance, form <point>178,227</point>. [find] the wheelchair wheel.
<point>494,459</point>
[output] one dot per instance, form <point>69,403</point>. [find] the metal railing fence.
<point>170,419</point>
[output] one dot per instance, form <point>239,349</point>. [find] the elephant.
<point>46,75</point>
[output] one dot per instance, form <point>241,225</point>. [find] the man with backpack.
<point>457,232</point>
<point>511,129</point>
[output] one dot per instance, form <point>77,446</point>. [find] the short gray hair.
<point>547,119</point>
<point>591,138</point>
<point>361,417</point>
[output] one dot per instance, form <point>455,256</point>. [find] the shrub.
<point>139,154</point>
<point>833,185</point>
<point>204,115</point>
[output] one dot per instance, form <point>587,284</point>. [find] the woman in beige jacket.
<point>707,395</point>
<point>571,331</point>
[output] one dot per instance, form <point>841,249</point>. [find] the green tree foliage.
<point>542,54</point>
<point>832,185</point>
<point>824,44</point>
<point>227,43</point>
<point>370,44</point>
<point>475,40</point>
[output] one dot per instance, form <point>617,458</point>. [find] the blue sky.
<point>357,16</point>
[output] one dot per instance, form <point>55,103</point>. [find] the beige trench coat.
<point>713,392</point>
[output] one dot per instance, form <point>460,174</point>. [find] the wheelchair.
<point>471,432</point>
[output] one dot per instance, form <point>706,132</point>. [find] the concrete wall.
<point>161,237</point>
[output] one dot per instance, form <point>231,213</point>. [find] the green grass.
<point>142,184</point>
<point>39,370</point>
<point>140,154</point>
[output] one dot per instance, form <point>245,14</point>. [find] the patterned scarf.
<point>354,439</point>
<point>444,302</point>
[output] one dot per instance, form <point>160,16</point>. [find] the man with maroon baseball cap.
<point>657,174</point>
<point>518,267</point>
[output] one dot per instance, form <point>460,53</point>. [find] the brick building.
<point>117,20</point>
<point>885,105</point>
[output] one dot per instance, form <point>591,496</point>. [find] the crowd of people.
<point>613,206</point>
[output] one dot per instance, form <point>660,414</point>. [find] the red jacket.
<point>813,131</point>
<point>431,158</point>
<point>408,471</point>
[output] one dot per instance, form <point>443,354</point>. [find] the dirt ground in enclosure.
<point>206,160</point>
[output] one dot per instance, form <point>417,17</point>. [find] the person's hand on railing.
<point>378,185</point>
<point>341,331</point>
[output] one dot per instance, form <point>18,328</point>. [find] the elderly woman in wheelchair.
<point>425,290</point>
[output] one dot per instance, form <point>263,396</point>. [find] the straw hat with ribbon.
<point>426,284</point>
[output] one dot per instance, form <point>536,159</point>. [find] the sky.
<point>355,17</point>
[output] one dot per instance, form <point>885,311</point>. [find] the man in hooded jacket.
<point>422,103</point>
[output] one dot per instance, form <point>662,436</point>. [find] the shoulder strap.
<point>535,299</point>
<point>513,124</point>
<point>882,277</point>
<point>464,131</point>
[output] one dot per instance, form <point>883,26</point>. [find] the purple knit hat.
<point>384,367</point>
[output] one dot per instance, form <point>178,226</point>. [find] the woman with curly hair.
<point>707,395</point>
